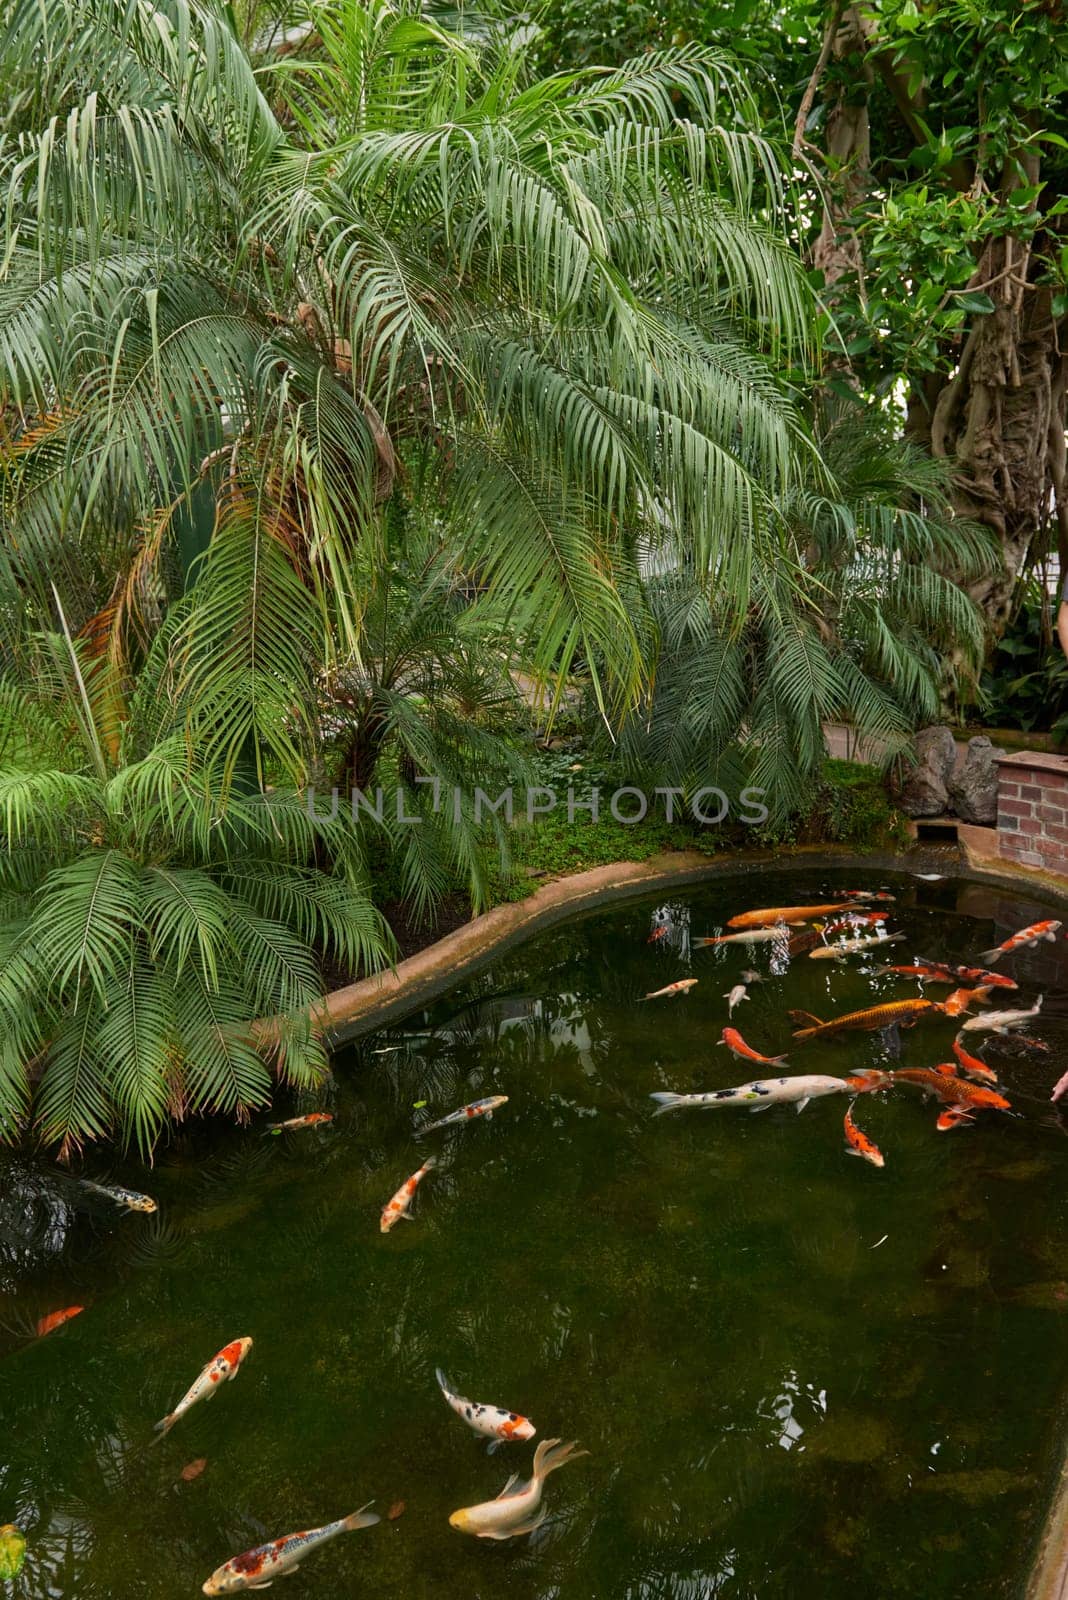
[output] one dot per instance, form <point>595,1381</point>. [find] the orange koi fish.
<point>314,1119</point>
<point>902,1012</point>
<point>738,1047</point>
<point>990,980</point>
<point>400,1205</point>
<point>785,914</point>
<point>953,1117</point>
<point>866,1079</point>
<point>859,1144</point>
<point>1025,939</point>
<point>954,1091</point>
<point>972,1066</point>
<point>683,986</point>
<point>962,999</point>
<point>56,1319</point>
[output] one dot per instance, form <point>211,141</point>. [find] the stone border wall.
<point>1033,809</point>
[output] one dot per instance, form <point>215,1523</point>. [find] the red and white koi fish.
<point>222,1368</point>
<point>989,980</point>
<point>753,936</point>
<point>972,1066</point>
<point>503,1427</point>
<point>853,919</point>
<point>745,1052</point>
<point>477,1108</point>
<point>735,997</point>
<point>257,1569</point>
<point>852,947</point>
<point>56,1319</point>
<point>683,986</point>
<point>399,1206</point>
<point>516,1511</point>
<point>314,1119</point>
<point>998,1021</point>
<point>798,1090</point>
<point>859,1144</point>
<point>1025,939</point>
<point>953,1117</point>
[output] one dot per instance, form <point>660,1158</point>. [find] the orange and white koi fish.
<point>859,1144</point>
<point>683,986</point>
<point>998,1021</point>
<point>852,947</point>
<point>1025,939</point>
<point>56,1319</point>
<point>904,1013</point>
<point>222,1368</point>
<point>972,1066</point>
<point>314,1119</point>
<point>757,1096</point>
<point>785,914</point>
<point>962,999</point>
<point>477,1108</point>
<point>257,1569</point>
<point>753,936</point>
<point>399,1206</point>
<point>953,1117</point>
<point>738,1047</point>
<point>880,896</point>
<point>516,1511</point>
<point>503,1427</point>
<point>735,997</point>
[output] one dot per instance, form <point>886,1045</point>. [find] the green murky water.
<point>776,1403</point>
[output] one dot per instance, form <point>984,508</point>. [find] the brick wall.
<point>1033,809</point>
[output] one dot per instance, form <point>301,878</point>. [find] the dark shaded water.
<point>776,1403</point>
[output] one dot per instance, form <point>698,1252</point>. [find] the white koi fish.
<point>257,1569</point>
<point>852,947</point>
<point>399,1206</point>
<point>751,936</point>
<point>736,996</point>
<point>998,1021</point>
<point>477,1108</point>
<point>683,986</point>
<point>122,1197</point>
<point>222,1368</point>
<point>798,1090</point>
<point>503,1427</point>
<point>516,1511</point>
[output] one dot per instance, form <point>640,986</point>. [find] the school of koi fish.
<point>831,932</point>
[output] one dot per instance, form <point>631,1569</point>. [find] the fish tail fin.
<point>431,1161</point>
<point>777,1059</point>
<point>987,957</point>
<point>667,1102</point>
<point>361,1519</point>
<point>805,1019</point>
<point>893,938</point>
<point>164,1426</point>
<point>443,1382</point>
<point>551,1454</point>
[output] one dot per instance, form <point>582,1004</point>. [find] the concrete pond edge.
<point>368,1004</point>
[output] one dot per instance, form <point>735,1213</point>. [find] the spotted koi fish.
<point>757,1096</point>
<point>785,914</point>
<point>744,1052</point>
<point>122,1197</point>
<point>751,936</point>
<point>503,1427</point>
<point>859,1144</point>
<point>1027,938</point>
<point>972,1066</point>
<point>314,1119</point>
<point>399,1206</point>
<point>56,1319</point>
<point>683,986</point>
<point>854,919</point>
<point>477,1108</point>
<point>902,1012</point>
<point>852,947</point>
<point>257,1569</point>
<point>222,1368</point>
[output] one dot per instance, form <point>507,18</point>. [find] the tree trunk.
<point>836,253</point>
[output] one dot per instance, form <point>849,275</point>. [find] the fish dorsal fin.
<point>805,1018</point>
<point>513,1479</point>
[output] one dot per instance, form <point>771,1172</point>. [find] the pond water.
<point>796,1375</point>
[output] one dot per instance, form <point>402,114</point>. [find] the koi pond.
<point>796,1375</point>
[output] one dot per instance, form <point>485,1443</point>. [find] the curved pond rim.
<point>390,996</point>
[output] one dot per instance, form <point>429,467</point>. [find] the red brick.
<point>1058,833</point>
<point>1031,791</point>
<point>1051,814</point>
<point>1031,826</point>
<point>1015,808</point>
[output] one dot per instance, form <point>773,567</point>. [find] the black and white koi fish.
<point>798,1090</point>
<point>503,1427</point>
<point>122,1197</point>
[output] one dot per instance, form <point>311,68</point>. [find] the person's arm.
<point>1062,624</point>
